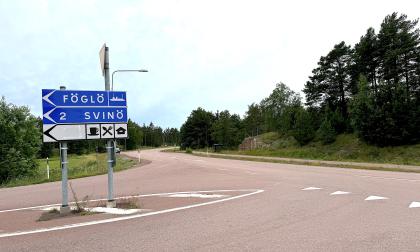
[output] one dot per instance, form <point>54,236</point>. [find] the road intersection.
<point>285,208</point>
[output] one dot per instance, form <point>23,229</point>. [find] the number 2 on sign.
<point>62,116</point>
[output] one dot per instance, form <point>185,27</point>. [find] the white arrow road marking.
<point>414,204</point>
<point>311,188</point>
<point>46,98</point>
<point>373,197</point>
<point>339,193</point>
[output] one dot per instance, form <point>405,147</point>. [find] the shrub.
<point>326,132</point>
<point>20,141</point>
<point>303,130</point>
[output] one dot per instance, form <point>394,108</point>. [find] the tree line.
<point>371,89</point>
<point>21,141</point>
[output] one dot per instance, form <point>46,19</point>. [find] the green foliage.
<point>171,136</point>
<point>195,132</point>
<point>347,147</point>
<point>135,136</point>
<point>79,166</point>
<point>20,141</point>
<point>276,108</point>
<point>373,89</point>
<point>386,109</point>
<point>331,84</point>
<point>227,129</point>
<point>326,133</point>
<point>303,130</point>
<point>253,121</point>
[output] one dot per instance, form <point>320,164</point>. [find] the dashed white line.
<point>373,197</point>
<point>414,204</point>
<point>311,188</point>
<point>339,193</point>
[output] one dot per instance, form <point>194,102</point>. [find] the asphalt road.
<point>295,212</point>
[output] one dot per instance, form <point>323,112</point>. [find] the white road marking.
<point>196,195</point>
<point>122,197</point>
<point>373,197</point>
<point>90,223</point>
<point>221,169</point>
<point>414,204</point>
<point>339,193</point>
<point>198,160</point>
<point>311,188</point>
<point>110,210</point>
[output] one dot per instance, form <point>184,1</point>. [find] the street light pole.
<point>125,70</point>
<point>109,145</point>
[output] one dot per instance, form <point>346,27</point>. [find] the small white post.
<point>48,169</point>
<point>138,152</point>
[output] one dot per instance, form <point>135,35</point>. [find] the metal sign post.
<point>110,145</point>
<point>64,209</point>
<point>84,115</point>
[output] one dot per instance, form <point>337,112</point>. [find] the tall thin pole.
<point>48,169</point>
<point>109,145</point>
<point>64,174</point>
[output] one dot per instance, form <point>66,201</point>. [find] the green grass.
<point>347,147</point>
<point>78,166</point>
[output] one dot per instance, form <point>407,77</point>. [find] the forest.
<point>371,89</point>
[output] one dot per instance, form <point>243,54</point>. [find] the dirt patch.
<point>125,203</point>
<point>55,214</point>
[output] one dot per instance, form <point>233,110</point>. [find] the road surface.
<point>294,208</point>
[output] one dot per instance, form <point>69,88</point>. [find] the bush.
<point>188,150</point>
<point>326,132</point>
<point>20,141</point>
<point>303,130</point>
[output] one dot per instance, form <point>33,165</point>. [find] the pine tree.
<point>331,84</point>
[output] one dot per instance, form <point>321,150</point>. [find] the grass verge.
<point>78,167</point>
<point>347,147</point>
<point>311,163</point>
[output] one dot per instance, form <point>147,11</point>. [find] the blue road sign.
<point>85,115</point>
<point>82,98</point>
<point>76,106</point>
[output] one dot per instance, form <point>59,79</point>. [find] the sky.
<point>212,54</point>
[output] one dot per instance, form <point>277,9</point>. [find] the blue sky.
<point>214,54</point>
